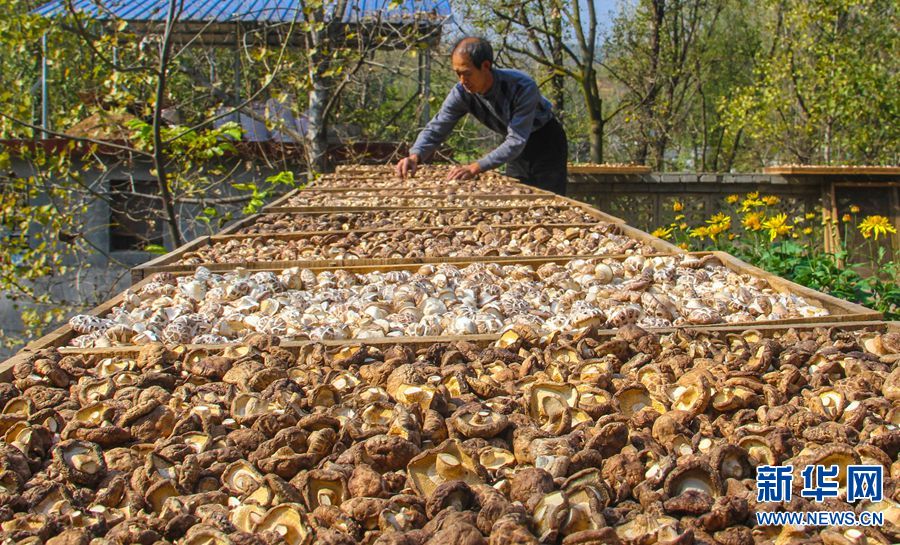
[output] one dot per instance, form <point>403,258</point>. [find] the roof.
<point>846,170</point>
<point>247,11</point>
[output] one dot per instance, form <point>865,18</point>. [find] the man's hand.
<point>464,172</point>
<point>407,166</point>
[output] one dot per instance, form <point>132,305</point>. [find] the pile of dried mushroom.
<point>392,198</point>
<point>411,190</point>
<point>479,240</point>
<point>382,219</point>
<point>432,171</point>
<point>433,177</point>
<point>442,299</point>
<point>636,439</point>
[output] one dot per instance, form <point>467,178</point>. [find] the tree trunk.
<point>659,148</point>
<point>559,95</point>
<point>159,157</point>
<point>595,115</point>
<point>558,81</point>
<point>717,152</point>
<point>316,131</point>
<point>729,161</point>
<point>597,140</point>
<point>643,150</point>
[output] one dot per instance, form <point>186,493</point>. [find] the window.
<point>133,218</point>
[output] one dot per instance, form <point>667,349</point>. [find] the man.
<point>507,102</point>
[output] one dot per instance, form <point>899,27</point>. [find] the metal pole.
<point>45,96</point>
<point>420,76</point>
<point>237,63</point>
<point>115,59</point>
<point>426,90</point>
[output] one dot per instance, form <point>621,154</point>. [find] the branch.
<point>579,31</point>
<point>543,31</point>
<point>186,200</point>
<point>616,112</point>
<point>546,62</point>
<point>622,80</point>
<point>158,150</point>
<point>593,30</point>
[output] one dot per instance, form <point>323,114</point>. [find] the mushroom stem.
<point>448,466</point>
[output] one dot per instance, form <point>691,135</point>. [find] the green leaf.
<point>285,177</point>
<point>155,249</point>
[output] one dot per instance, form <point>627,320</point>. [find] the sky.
<point>606,11</point>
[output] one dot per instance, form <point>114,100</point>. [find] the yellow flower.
<point>809,215</point>
<point>752,221</point>
<point>846,218</point>
<point>677,206</point>
<point>683,226</point>
<point>777,226</point>
<point>662,232</point>
<point>683,245</point>
<point>771,200</point>
<point>750,203</point>
<point>754,195</point>
<point>679,217</point>
<point>732,236</point>
<point>798,219</point>
<point>720,218</point>
<point>719,223</point>
<point>731,199</point>
<point>807,231</point>
<point>854,209</point>
<point>699,232</point>
<point>877,225</point>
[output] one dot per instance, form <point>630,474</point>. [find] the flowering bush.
<point>768,233</point>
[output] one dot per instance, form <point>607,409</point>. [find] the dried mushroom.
<point>564,438</point>
<point>445,463</point>
<point>443,299</point>
<point>80,462</point>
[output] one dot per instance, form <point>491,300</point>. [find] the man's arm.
<point>518,131</point>
<point>438,129</point>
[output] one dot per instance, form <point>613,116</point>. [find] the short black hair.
<point>476,49</point>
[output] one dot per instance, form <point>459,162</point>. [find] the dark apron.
<point>542,163</point>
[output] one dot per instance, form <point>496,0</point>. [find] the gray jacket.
<point>513,106</point>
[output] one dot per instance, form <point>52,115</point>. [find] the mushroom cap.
<point>478,421</point>
<point>80,462</point>
<point>455,494</point>
<point>288,521</point>
<point>694,474</point>
<point>447,462</point>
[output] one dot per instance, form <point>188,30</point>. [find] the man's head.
<point>472,59</point>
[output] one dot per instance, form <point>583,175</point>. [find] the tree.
<point>724,65</point>
<point>825,88</point>
<point>44,217</point>
<point>164,101</point>
<point>660,53</point>
<point>339,40</point>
